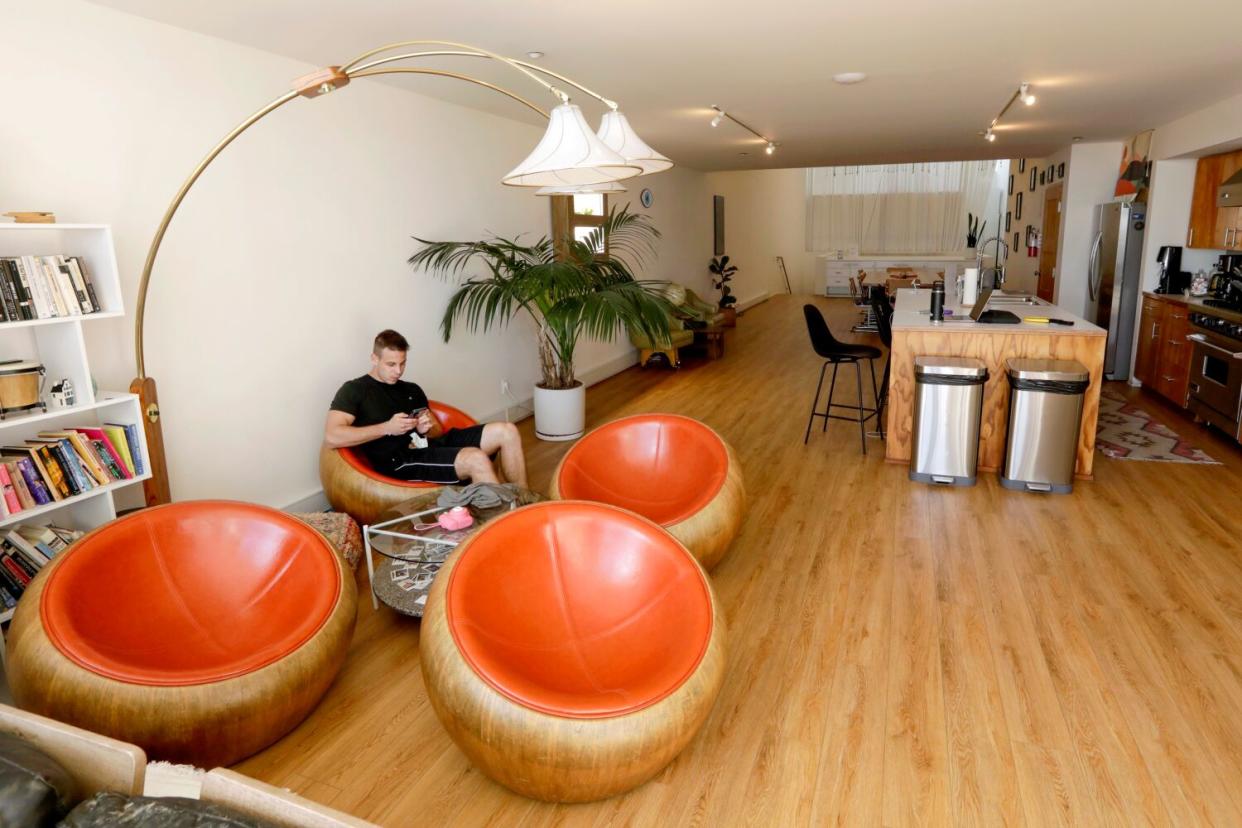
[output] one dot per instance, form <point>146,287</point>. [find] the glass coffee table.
<point>410,548</point>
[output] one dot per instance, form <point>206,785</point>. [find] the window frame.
<point>565,221</point>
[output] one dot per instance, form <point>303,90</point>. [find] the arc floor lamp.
<point>570,158</point>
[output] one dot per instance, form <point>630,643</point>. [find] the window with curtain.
<point>907,209</point>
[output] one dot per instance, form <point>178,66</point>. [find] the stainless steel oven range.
<point>1216,371</point>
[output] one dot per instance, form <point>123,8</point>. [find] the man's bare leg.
<point>505,438</point>
<point>474,465</point>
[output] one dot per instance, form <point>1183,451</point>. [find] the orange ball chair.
<point>201,631</point>
<point>353,487</point>
<point>572,649</point>
<point>671,469</point>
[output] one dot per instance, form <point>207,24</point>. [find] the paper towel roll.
<point>970,286</point>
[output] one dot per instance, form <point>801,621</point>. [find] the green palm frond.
<point>578,294</point>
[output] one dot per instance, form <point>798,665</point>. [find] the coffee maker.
<point>1226,278</point>
<point>1172,279</point>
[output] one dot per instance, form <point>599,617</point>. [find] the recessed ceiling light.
<point>534,55</point>
<point>1076,138</point>
<point>743,153</point>
<point>850,77</point>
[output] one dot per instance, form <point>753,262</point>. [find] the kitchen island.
<point>914,334</point>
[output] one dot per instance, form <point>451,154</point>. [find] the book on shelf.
<point>133,444</point>
<point>45,287</point>
<point>24,550</point>
<point>56,465</point>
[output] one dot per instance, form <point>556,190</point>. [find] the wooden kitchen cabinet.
<point>1149,340</point>
<point>1202,230</point>
<point>1163,360</point>
<point>1212,227</point>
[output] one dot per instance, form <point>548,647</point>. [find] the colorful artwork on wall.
<point>1135,170</point>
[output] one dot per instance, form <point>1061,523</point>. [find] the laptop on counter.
<point>988,317</point>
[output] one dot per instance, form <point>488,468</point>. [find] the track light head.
<point>1024,92</point>
<point>716,121</point>
<point>990,136</point>
<point>771,148</point>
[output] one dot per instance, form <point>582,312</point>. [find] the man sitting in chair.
<point>389,421</point>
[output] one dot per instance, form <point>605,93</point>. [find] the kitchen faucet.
<point>998,269</point>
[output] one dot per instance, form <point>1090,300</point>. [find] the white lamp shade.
<point>570,154</point>
<point>615,131</point>
<point>582,189</point>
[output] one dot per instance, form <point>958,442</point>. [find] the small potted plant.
<point>974,231</point>
<point>722,274</point>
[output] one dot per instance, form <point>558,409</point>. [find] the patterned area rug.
<point>1127,432</point>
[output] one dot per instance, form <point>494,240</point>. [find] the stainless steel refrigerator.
<point>1113,280</point>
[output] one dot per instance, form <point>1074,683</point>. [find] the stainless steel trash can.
<point>948,402</point>
<point>1045,413</point>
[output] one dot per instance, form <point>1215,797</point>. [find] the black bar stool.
<point>883,311</point>
<point>836,353</point>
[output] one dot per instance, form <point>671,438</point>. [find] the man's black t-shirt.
<point>371,401</point>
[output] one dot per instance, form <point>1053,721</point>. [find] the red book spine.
<point>16,571</point>
<point>10,494</point>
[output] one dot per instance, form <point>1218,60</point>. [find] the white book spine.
<point>34,283</point>
<point>80,284</point>
<point>53,280</point>
<point>70,296</point>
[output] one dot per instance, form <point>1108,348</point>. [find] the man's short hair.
<point>391,340</point>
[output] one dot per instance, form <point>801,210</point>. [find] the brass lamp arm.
<point>515,64</point>
<point>608,102</point>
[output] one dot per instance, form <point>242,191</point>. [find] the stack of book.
<point>24,550</point>
<point>61,464</point>
<point>45,287</point>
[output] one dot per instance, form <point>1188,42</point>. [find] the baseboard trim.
<point>751,302</point>
<point>316,501</point>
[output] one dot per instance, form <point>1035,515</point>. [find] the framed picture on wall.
<point>1011,183</point>
<point>1007,217</point>
<point>718,226</point>
<point>1015,242</point>
<point>1034,177</point>
<point>1061,170</point>
<point>1021,165</point>
<point>1041,178</point>
<point>1017,206</point>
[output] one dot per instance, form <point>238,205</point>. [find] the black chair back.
<point>883,313</point>
<point>822,340</point>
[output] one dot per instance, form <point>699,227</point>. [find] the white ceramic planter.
<point>560,414</point>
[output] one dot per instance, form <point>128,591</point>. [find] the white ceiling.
<point>938,72</point>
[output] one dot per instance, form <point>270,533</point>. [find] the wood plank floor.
<point>899,654</point>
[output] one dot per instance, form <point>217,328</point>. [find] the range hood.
<point>1229,194</point>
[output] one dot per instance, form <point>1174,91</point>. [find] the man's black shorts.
<point>435,464</point>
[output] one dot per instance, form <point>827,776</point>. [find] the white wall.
<point>1022,271</point>
<point>1090,178</point>
<point>1207,131</point>
<point>289,254</point>
<point>765,217</point>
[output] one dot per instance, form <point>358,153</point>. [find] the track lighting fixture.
<point>1024,93</point>
<point>721,115</point>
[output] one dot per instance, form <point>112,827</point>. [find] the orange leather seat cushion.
<point>190,593</point>
<point>663,466</point>
<point>579,609</point>
<point>449,418</point>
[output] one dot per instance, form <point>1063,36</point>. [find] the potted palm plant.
<point>722,274</point>
<point>569,290</point>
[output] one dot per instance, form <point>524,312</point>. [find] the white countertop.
<point>911,314</point>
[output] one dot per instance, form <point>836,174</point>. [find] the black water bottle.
<point>937,302</point>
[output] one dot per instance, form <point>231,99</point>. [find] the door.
<point>1048,253</point>
<point>1145,366</point>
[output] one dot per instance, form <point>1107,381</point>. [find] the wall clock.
<point>645,197</point>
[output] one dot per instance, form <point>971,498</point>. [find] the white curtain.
<point>910,209</point>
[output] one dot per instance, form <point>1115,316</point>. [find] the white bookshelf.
<point>59,345</point>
